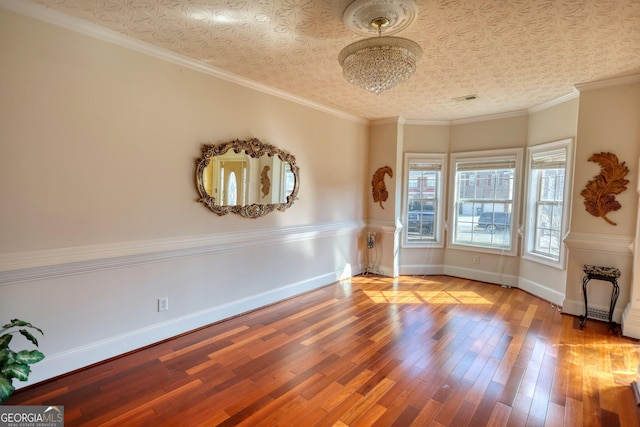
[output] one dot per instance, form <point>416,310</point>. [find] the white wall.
<point>383,151</point>
<point>425,138</point>
<point>99,205</point>
<point>631,314</point>
<point>550,124</point>
<point>607,122</point>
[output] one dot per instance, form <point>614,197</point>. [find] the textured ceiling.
<point>514,54</point>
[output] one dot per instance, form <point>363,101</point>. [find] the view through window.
<point>484,197</point>
<point>423,197</point>
<point>545,204</point>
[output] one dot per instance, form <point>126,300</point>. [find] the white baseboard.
<point>576,307</point>
<point>76,358</point>
<point>421,269</point>
<point>381,270</point>
<point>636,392</point>
<point>631,322</point>
<point>541,291</point>
<point>573,307</point>
<point>482,276</point>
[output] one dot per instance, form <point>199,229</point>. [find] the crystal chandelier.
<point>378,63</point>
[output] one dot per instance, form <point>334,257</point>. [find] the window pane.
<point>484,224</point>
<point>289,181</point>
<point>546,181</point>
<point>422,201</point>
<point>548,229</point>
<point>232,190</point>
<point>484,200</point>
<point>551,184</point>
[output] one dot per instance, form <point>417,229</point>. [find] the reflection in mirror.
<point>249,178</point>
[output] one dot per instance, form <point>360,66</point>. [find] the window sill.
<point>422,245</point>
<point>483,249</point>
<point>540,259</point>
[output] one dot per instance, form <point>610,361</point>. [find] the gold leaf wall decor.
<point>380,193</point>
<point>265,181</point>
<point>599,194</point>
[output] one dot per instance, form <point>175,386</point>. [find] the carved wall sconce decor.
<point>599,193</point>
<point>380,193</point>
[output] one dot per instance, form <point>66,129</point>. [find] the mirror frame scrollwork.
<point>255,149</point>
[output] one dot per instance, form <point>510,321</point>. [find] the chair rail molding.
<point>41,264</point>
<point>593,242</point>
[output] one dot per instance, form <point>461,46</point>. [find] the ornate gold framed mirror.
<point>250,178</point>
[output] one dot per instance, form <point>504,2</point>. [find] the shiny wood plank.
<point>370,351</point>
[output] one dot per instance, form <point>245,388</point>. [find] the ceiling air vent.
<point>466,98</point>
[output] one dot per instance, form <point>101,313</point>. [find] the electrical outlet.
<point>163,304</point>
<point>476,260</point>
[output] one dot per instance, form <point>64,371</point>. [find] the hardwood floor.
<point>372,351</point>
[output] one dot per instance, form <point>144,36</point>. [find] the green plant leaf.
<point>15,322</point>
<point>4,340</point>
<point>6,356</point>
<point>28,336</point>
<point>6,388</point>
<point>21,323</point>
<point>16,370</point>
<point>29,357</point>
<point>18,322</point>
<point>12,364</point>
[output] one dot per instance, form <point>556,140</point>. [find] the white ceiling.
<point>514,54</point>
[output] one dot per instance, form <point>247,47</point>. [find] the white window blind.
<point>556,159</point>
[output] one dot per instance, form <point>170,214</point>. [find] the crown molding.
<point>41,13</point>
<point>420,122</point>
<point>403,121</point>
<point>386,121</point>
<point>489,117</point>
<point>600,84</point>
<point>564,98</point>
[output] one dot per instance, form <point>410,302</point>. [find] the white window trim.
<point>483,156</point>
<point>527,234</point>
<point>441,158</point>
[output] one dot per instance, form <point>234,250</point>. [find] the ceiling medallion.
<point>379,63</point>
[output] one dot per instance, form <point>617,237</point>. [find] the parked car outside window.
<point>420,222</point>
<point>494,221</point>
